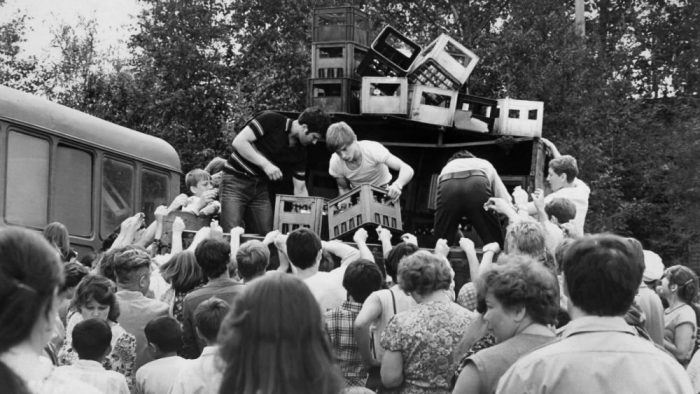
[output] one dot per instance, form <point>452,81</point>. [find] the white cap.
<point>653,266</point>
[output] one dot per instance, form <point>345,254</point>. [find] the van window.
<point>117,194</point>
<point>72,198</point>
<point>154,191</point>
<point>26,203</point>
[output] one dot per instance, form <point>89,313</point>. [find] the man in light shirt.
<point>164,337</point>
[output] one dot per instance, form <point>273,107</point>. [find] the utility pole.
<point>580,21</point>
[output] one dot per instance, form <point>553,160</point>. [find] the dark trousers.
<point>466,197</point>
<point>245,202</point>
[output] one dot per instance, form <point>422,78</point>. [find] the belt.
<point>461,175</point>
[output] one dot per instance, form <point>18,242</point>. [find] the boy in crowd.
<point>252,259</point>
<point>91,340</point>
<point>164,337</point>
<point>203,375</point>
<point>361,278</point>
<point>201,202</point>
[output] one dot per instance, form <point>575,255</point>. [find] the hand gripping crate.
<point>361,206</point>
<point>384,95</point>
<point>336,60</point>
<point>519,118</point>
<point>432,105</point>
<point>475,113</point>
<point>451,56</point>
<point>293,212</point>
<point>335,95</point>
<point>391,55</point>
<point>340,23</point>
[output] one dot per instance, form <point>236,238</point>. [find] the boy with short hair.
<point>201,202</point>
<point>91,340</point>
<point>202,375</point>
<point>252,259</point>
<point>164,337</point>
<point>362,278</point>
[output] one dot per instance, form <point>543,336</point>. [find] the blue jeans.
<point>245,202</point>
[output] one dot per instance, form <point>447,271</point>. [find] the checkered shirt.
<point>339,325</point>
<point>467,296</point>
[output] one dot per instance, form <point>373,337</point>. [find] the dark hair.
<point>602,274</point>
<point>252,259</point>
<point>100,289</point>
<point>91,339</point>
<point>273,341</point>
<point>302,247</point>
<point>57,234</point>
<point>105,266</point>
<point>424,273</point>
<point>561,208</point>
<point>30,273</point>
<point>208,317</point>
<point>73,273</point>
<point>398,252</point>
<point>128,261</point>
<point>213,255</point>
<point>362,277</point>
<point>182,271</point>
<point>686,280</point>
<point>88,259</point>
<point>463,154</point>
<point>164,332</point>
<point>521,281</point>
<point>565,164</point>
<point>316,120</point>
<point>195,176</point>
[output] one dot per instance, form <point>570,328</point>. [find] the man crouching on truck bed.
<point>355,163</point>
<point>269,145</point>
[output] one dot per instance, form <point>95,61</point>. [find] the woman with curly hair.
<point>522,301</point>
<point>273,341</point>
<point>95,298</point>
<point>419,342</point>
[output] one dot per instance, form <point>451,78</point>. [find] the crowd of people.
<point>548,309</point>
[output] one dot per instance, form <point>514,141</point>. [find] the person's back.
<point>598,352</point>
<point>164,337</point>
<point>91,340</point>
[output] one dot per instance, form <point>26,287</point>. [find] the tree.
<point>16,71</point>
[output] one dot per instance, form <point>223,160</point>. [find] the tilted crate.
<point>432,105</point>
<point>340,23</point>
<point>430,73</point>
<point>336,60</point>
<point>366,204</point>
<point>384,95</point>
<point>391,55</point>
<point>475,113</point>
<point>451,56</point>
<point>335,95</point>
<point>293,212</point>
<point>519,118</point>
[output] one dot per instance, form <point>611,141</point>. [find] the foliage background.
<point>623,99</point>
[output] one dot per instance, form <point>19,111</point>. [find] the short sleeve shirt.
<point>373,169</point>
<point>676,317</point>
<point>271,132</point>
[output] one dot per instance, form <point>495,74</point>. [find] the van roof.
<point>33,111</point>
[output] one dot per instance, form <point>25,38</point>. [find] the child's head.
<point>560,210</point>
<point>252,259</point>
<point>91,339</point>
<point>198,181</point>
<point>164,336</point>
<point>208,317</point>
<point>362,277</point>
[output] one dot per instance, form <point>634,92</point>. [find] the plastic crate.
<point>384,95</point>
<point>335,95</point>
<point>364,205</point>
<point>453,58</point>
<point>475,113</point>
<point>430,73</point>
<point>339,60</point>
<point>192,224</point>
<point>293,212</point>
<point>375,65</point>
<point>344,23</point>
<point>396,48</point>
<point>432,105</point>
<point>519,117</point>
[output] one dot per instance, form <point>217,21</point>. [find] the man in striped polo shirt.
<point>269,147</point>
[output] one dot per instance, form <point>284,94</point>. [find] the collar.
<point>221,282</point>
<point>88,364</point>
<point>589,324</point>
<point>351,306</point>
<point>209,351</point>
<point>130,294</point>
<point>288,126</point>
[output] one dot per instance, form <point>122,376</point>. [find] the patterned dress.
<point>426,336</point>
<point>121,359</point>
